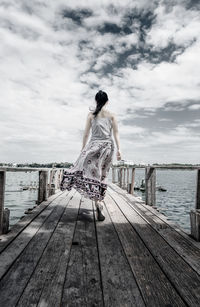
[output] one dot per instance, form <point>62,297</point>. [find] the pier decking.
<point>60,255</point>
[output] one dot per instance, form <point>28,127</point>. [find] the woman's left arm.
<point>87,130</point>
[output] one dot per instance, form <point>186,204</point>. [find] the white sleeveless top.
<point>101,129</point>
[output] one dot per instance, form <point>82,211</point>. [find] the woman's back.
<point>101,126</point>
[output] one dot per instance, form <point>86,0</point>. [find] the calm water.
<point>175,203</point>
<point>19,201</point>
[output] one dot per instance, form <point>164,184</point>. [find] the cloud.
<point>55,56</point>
<point>194,107</point>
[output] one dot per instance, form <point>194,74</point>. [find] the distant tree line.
<point>39,165</point>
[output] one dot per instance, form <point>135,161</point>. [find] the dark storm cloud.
<point>143,19</point>
<point>192,4</point>
<point>165,118</point>
<point>133,21</point>
<point>109,28</point>
<point>78,15</point>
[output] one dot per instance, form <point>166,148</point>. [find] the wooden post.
<point>150,185</point>
<point>42,191</point>
<point>50,181</point>
<point>197,203</point>
<point>120,177</point>
<point>59,178</point>
<point>53,184</point>
<point>124,178</point>
<point>127,186</point>
<point>62,172</point>
<point>2,195</point>
<point>6,219</point>
<point>131,191</point>
<point>195,213</point>
<point>113,175</point>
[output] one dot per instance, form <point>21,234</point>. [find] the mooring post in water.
<point>197,204</point>
<point>150,185</point>
<point>4,212</point>
<point>2,193</point>
<point>42,191</point>
<point>195,213</point>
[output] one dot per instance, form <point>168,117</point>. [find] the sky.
<point>55,56</point>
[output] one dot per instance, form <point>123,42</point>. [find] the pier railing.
<point>49,181</point>
<point>121,177</point>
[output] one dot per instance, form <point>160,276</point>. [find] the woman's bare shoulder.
<point>90,115</point>
<point>112,115</point>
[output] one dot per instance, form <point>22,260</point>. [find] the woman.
<point>90,171</point>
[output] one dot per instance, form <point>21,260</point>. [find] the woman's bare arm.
<point>116,135</point>
<point>87,129</point>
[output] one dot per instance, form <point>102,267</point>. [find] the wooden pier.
<point>60,255</point>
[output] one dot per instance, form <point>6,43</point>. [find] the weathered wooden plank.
<point>15,280</point>
<point>16,229</point>
<point>45,285</point>
<point>154,285</point>
<point>9,255</point>
<point>119,285</point>
<point>136,200</point>
<point>183,246</point>
<point>181,242</point>
<point>185,280</point>
<point>83,284</point>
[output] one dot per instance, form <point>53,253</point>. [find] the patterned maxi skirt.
<point>89,173</point>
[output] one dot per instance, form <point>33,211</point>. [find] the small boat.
<point>25,188</point>
<point>160,188</point>
<point>142,187</point>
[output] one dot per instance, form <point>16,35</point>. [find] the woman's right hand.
<point>119,155</point>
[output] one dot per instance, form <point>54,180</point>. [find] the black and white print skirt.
<point>89,173</point>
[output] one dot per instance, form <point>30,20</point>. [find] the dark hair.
<point>101,98</point>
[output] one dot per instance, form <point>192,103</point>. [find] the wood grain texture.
<point>184,279</point>
<point>45,285</point>
<point>82,285</point>
<point>16,229</point>
<point>119,285</point>
<point>16,278</point>
<point>61,255</point>
<point>154,285</point>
